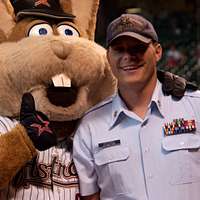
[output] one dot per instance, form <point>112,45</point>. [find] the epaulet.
<point>99,105</point>
<point>191,93</point>
<point>191,86</point>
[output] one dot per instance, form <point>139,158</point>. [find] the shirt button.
<point>115,114</point>
<point>159,104</point>
<point>146,150</point>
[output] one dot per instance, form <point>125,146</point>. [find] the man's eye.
<point>40,30</point>
<point>118,49</point>
<point>138,49</point>
<point>67,30</point>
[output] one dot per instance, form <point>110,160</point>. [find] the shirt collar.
<point>157,98</point>
<point>119,107</point>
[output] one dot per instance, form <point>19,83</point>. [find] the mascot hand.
<point>174,85</point>
<point>36,124</point>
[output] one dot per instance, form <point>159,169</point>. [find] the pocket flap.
<point>111,154</point>
<point>181,141</point>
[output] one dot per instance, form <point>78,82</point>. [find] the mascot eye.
<point>67,30</point>
<point>40,29</point>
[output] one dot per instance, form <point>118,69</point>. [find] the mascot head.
<point>47,49</point>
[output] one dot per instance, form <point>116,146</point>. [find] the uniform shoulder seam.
<point>99,105</point>
<point>195,94</point>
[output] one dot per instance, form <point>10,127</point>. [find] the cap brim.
<point>44,13</point>
<point>134,35</point>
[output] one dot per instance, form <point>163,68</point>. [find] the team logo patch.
<point>179,126</point>
<point>42,128</point>
<point>46,175</point>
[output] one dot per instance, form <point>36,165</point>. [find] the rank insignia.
<point>179,126</point>
<point>125,20</point>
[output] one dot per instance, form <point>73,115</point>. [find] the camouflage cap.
<point>131,25</point>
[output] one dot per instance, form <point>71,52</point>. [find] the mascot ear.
<point>6,18</point>
<point>85,12</point>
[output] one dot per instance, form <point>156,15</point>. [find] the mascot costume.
<point>51,73</point>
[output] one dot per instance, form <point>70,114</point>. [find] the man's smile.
<point>131,67</point>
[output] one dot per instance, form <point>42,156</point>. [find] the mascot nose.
<point>61,49</point>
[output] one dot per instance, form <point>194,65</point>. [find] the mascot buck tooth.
<point>51,73</point>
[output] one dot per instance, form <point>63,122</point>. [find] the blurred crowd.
<point>178,36</point>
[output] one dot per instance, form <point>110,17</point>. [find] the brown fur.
<point>6,17</point>
<point>78,64</point>
<point>18,140</point>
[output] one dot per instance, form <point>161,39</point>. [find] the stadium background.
<point>177,23</point>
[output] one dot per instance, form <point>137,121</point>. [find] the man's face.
<point>133,62</point>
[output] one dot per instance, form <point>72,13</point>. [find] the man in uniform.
<point>51,174</point>
<point>139,144</point>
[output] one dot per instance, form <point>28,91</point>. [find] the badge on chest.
<point>179,126</point>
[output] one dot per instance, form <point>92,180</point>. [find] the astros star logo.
<point>44,127</point>
<point>42,2</point>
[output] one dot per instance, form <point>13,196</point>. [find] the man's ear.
<point>158,50</point>
<point>107,55</point>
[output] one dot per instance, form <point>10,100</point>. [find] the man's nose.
<point>127,55</point>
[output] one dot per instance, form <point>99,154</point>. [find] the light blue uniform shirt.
<point>129,158</point>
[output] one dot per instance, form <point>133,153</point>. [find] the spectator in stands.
<point>174,57</point>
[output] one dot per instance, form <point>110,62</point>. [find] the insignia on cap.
<point>179,126</point>
<point>123,25</point>
<point>125,20</point>
<point>42,2</point>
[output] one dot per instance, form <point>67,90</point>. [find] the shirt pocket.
<point>183,158</point>
<point>112,166</point>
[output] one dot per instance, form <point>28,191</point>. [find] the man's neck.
<point>137,98</point>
